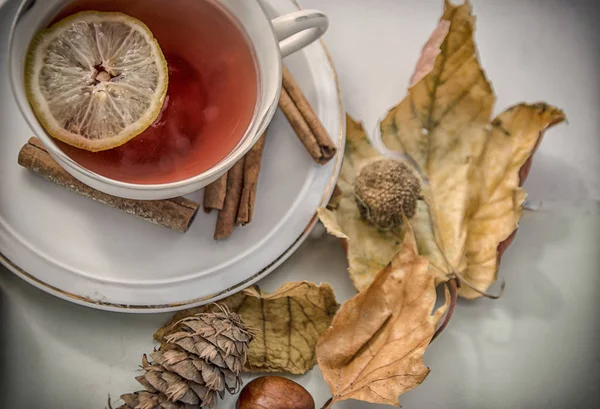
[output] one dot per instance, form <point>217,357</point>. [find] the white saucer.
<point>89,254</point>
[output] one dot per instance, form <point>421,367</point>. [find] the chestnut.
<point>274,392</point>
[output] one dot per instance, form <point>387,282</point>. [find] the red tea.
<point>211,97</point>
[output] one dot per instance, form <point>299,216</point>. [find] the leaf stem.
<point>453,288</point>
<point>328,404</point>
<point>493,296</point>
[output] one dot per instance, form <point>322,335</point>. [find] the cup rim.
<point>253,131</point>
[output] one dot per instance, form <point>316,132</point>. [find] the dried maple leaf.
<point>374,349</point>
<point>287,324</point>
<point>472,162</point>
<point>471,165</point>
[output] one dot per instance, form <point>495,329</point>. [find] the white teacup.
<point>271,41</point>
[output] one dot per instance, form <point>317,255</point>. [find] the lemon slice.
<point>95,80</point>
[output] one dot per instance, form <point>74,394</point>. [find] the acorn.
<point>384,190</point>
<point>274,392</point>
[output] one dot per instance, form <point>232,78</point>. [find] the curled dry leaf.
<point>472,166</point>
<point>287,324</point>
<point>374,349</point>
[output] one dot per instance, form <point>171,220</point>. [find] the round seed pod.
<point>384,190</point>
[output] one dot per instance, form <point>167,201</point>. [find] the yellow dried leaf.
<point>369,248</point>
<point>287,324</point>
<point>471,166</point>
<point>472,163</point>
<point>374,349</point>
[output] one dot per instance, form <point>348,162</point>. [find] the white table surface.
<point>537,347</point>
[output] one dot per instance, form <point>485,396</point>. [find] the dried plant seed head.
<point>384,189</point>
<point>199,363</point>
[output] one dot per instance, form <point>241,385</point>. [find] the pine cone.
<point>196,366</point>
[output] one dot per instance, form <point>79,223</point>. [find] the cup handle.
<point>298,29</point>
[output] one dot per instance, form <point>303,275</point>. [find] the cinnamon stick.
<point>227,216</point>
<point>299,125</point>
<point>304,120</point>
<point>251,172</point>
<point>176,214</point>
<point>214,194</point>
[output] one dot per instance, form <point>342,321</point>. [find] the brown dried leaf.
<point>472,162</point>
<point>374,349</point>
<point>287,324</point>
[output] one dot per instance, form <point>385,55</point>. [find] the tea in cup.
<point>180,112</point>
